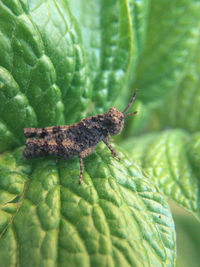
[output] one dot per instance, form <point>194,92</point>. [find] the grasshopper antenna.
<point>129,114</point>
<point>129,104</point>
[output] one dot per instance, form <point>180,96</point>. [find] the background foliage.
<point>63,60</point>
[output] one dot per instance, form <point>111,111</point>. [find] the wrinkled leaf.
<point>172,158</point>
<point>116,217</point>
<point>63,45</point>
<point>43,66</point>
<point>111,45</point>
<point>53,54</point>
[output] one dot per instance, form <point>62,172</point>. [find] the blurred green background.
<point>188,237</point>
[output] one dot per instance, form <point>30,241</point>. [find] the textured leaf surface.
<point>172,158</point>
<point>42,69</point>
<point>171,40</point>
<point>111,46</point>
<point>63,46</point>
<point>116,217</point>
<point>50,62</point>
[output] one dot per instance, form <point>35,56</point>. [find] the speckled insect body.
<point>79,139</point>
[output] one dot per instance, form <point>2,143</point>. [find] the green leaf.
<point>188,237</point>
<point>43,73</point>
<point>171,40</point>
<point>7,139</point>
<point>63,46</point>
<point>117,217</point>
<point>15,110</point>
<point>50,62</point>
<point>181,108</point>
<point>136,146</point>
<point>172,159</point>
<point>193,148</point>
<point>110,44</point>
<point>139,11</point>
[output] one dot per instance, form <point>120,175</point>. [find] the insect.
<point>79,139</point>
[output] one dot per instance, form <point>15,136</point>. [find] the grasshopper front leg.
<point>112,150</point>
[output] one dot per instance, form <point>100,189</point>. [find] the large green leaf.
<point>139,11</point>
<point>63,46</point>
<point>172,158</point>
<point>43,65</point>
<point>111,43</point>
<point>172,36</point>
<point>181,108</point>
<point>50,63</point>
<point>188,237</point>
<point>117,217</point>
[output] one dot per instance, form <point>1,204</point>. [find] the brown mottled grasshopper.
<point>79,139</point>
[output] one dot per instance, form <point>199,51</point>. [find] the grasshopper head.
<point>115,118</point>
<point>114,121</point>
